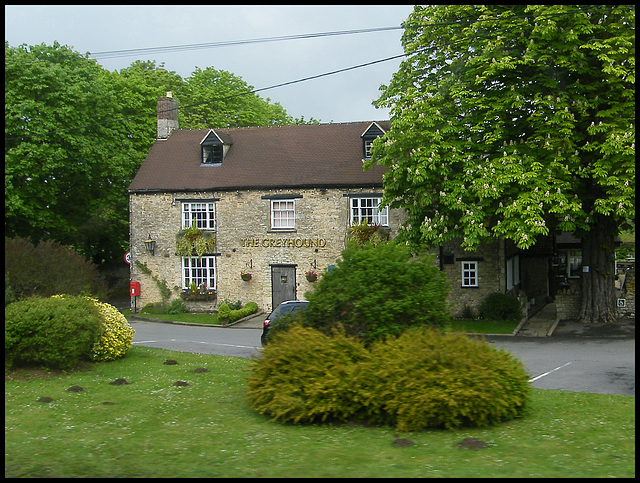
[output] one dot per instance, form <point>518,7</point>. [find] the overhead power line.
<point>253,91</point>
<point>111,54</point>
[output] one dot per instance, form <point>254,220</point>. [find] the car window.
<point>284,309</point>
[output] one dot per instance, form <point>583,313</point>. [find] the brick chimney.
<point>167,116</point>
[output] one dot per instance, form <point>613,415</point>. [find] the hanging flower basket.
<point>311,276</point>
<point>193,240</point>
<point>245,275</point>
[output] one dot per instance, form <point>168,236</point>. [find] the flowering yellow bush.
<point>115,336</point>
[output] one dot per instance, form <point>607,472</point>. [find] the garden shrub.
<point>177,306</point>
<point>116,334</point>
<point>428,379</point>
<point>421,379</point>
<point>500,306</point>
<point>49,268</point>
<point>248,309</point>
<point>56,333</point>
<point>378,290</point>
<point>225,312</point>
<point>305,376</point>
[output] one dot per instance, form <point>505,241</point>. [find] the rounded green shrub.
<point>248,309</point>
<point>421,379</point>
<point>305,376</point>
<point>224,311</point>
<point>378,290</point>
<point>52,332</point>
<point>428,379</point>
<point>500,306</point>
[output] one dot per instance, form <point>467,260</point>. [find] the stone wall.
<point>628,293</point>
<point>244,240</point>
<point>568,301</point>
<point>491,274</point>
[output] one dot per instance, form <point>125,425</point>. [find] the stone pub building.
<point>276,203</point>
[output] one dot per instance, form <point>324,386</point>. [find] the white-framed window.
<point>201,270</point>
<point>204,214</point>
<point>283,214</point>
<point>368,209</point>
<point>469,273</point>
<point>368,144</point>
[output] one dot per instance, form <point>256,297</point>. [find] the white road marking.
<point>547,373</point>
<point>198,342</point>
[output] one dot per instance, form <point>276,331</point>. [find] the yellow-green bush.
<point>422,379</point>
<point>116,334</point>
<point>428,379</point>
<point>304,376</point>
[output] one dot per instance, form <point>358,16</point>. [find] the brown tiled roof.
<point>297,156</point>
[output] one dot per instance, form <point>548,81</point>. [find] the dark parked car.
<point>287,307</point>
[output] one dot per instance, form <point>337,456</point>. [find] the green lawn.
<point>192,318</point>
<point>152,428</point>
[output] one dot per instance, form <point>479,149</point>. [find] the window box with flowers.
<point>311,276</point>
<point>245,275</point>
<point>198,292</point>
<point>190,240</point>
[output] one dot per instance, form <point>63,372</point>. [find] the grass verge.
<point>152,428</point>
<point>192,318</point>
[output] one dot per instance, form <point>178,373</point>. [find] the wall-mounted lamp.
<point>150,245</point>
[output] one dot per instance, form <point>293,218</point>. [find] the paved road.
<point>588,364</point>
<point>605,366</point>
<point>237,342</point>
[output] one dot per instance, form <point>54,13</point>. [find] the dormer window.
<point>372,132</point>
<point>211,154</point>
<point>213,148</point>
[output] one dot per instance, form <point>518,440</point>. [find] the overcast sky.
<point>341,97</point>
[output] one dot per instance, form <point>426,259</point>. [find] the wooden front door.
<point>283,284</point>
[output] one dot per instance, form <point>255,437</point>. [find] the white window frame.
<point>200,270</point>
<point>204,213</point>
<point>367,208</point>
<point>283,214</point>
<point>469,273</point>
<point>368,145</point>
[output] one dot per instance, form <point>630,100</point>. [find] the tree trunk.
<point>598,275</point>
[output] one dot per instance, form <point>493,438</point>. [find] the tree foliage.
<point>216,98</point>
<point>67,164</point>
<point>376,291</point>
<point>514,121</point>
<point>76,134</point>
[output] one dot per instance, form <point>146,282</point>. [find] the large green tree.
<point>75,135</point>
<point>516,121</point>
<point>213,98</point>
<point>68,161</point>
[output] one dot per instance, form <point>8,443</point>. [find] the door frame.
<point>291,266</point>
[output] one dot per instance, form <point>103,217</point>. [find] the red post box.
<point>134,289</point>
